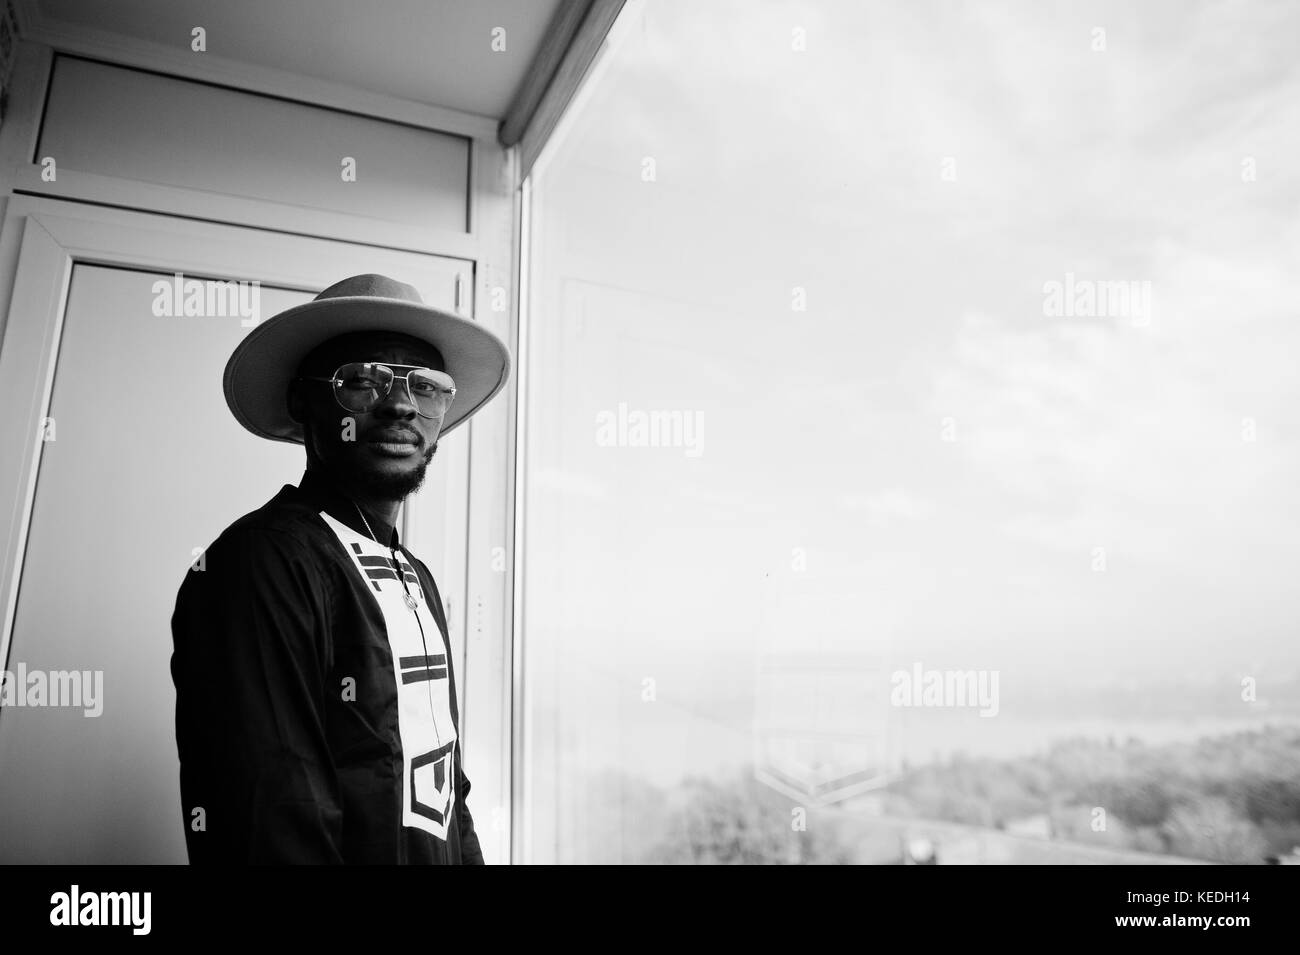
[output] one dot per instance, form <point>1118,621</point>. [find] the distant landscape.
<point>1233,798</point>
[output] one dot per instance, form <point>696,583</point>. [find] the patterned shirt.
<point>316,715</point>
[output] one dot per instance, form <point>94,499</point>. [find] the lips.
<point>394,442</point>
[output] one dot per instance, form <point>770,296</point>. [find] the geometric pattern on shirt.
<point>425,727</point>
<point>431,784</point>
<point>385,568</point>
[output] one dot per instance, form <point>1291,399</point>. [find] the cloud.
<point>557,481</point>
<point>888,506</point>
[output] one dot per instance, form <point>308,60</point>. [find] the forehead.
<point>374,346</point>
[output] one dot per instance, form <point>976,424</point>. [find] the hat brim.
<point>258,372</point>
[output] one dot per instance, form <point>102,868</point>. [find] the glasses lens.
<point>432,391</point>
<point>360,386</point>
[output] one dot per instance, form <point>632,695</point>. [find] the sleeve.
<point>470,853</point>
<point>258,783</point>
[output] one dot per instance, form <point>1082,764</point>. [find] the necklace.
<point>410,601</point>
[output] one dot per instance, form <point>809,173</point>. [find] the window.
<point>908,448</point>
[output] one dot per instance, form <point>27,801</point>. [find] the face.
<point>382,453</point>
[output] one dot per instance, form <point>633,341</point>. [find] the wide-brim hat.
<point>258,372</point>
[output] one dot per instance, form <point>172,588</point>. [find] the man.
<point>316,713</point>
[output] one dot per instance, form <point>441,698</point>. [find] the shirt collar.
<point>328,498</point>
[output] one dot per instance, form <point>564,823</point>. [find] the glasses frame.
<point>337,382</point>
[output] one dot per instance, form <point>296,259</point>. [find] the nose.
<point>398,403</point>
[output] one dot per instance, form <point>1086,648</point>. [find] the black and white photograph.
<point>651,432</point>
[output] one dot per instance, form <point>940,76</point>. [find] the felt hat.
<point>258,372</point>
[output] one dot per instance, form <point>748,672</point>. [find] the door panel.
<point>145,465</point>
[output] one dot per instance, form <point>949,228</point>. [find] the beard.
<point>350,471</point>
<point>394,487</point>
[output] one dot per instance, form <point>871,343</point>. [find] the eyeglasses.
<point>361,386</point>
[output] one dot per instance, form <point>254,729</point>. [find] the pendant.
<point>410,601</point>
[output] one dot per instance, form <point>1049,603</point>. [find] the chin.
<point>393,478</point>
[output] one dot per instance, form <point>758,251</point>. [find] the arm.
<point>470,853</point>
<point>249,663</point>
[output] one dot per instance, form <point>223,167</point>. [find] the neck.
<point>386,509</point>
<point>382,508</point>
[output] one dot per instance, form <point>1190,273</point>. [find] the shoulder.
<point>287,514</point>
<point>261,575</point>
<point>282,534</point>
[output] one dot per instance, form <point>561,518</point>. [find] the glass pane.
<point>910,446</point>
<point>132,486</point>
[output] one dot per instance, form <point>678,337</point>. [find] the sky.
<point>923,463</point>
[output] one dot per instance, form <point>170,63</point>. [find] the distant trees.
<point>1233,799</point>
<point>1211,829</point>
<point>740,821</point>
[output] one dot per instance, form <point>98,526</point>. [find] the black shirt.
<point>316,715</point>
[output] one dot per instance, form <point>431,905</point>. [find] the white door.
<point>140,468</point>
